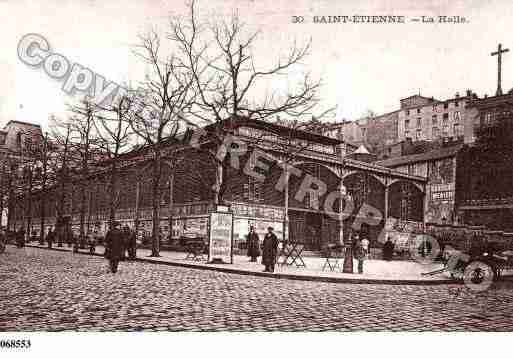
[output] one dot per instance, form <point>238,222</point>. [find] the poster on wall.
<point>196,227</point>
<point>220,237</point>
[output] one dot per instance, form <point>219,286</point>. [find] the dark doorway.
<point>312,229</point>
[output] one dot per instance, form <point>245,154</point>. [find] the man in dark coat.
<point>2,240</point>
<point>114,247</point>
<point>388,250</point>
<point>132,244</point>
<point>270,250</point>
<point>50,237</point>
<point>253,244</point>
<point>20,237</point>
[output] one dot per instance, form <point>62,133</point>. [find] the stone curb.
<point>311,278</point>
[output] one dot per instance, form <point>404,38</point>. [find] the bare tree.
<point>60,166</point>
<point>84,142</point>
<point>43,154</point>
<point>114,134</point>
<point>166,96</point>
<point>221,60</point>
<point>25,163</point>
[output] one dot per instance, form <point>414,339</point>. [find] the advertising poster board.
<point>220,237</point>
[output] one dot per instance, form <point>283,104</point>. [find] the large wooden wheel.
<point>478,275</point>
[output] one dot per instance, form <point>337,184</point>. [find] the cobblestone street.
<point>44,290</point>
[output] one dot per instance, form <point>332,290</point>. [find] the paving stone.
<point>56,291</point>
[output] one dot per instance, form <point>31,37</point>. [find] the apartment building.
<point>427,119</point>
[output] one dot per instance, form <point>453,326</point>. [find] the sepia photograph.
<point>242,173</point>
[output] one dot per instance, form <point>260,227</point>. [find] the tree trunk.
<point>113,193</point>
<point>89,211</point>
<point>136,219</point>
<point>83,202</point>
<point>171,203</point>
<point>1,209</point>
<point>60,213</point>
<point>155,250</point>
<point>220,185</point>
<point>28,212</point>
<point>43,213</point>
<point>10,202</point>
<point>43,203</point>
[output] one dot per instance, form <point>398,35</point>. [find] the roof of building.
<point>278,129</point>
<point>421,157</point>
<point>23,123</point>
<point>417,96</point>
<point>491,101</point>
<point>362,150</point>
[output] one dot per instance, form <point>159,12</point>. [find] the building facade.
<point>485,171</point>
<point>16,143</point>
<point>422,118</point>
<point>374,132</point>
<point>418,120</point>
<point>439,168</point>
<point>305,209</point>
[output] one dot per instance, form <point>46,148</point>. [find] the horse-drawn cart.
<point>484,267</point>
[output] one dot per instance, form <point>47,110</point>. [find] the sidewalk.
<point>375,271</point>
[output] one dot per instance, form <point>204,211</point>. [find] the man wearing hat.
<point>270,250</point>
<point>114,246</point>
<point>253,244</point>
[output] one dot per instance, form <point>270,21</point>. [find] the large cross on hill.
<point>499,53</point>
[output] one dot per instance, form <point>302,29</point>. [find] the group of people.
<point>117,243</point>
<point>269,249</point>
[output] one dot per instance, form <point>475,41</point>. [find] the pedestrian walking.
<point>114,246</point>
<point>50,237</point>
<point>366,246</point>
<point>388,250</point>
<point>20,237</point>
<point>97,236</point>
<point>359,254</point>
<point>253,244</point>
<point>132,245</point>
<point>270,250</point>
<point>126,235</point>
<point>2,240</point>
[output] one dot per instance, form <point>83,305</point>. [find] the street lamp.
<point>348,254</point>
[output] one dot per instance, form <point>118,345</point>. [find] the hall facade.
<point>191,189</point>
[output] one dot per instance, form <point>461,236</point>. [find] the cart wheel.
<point>478,276</point>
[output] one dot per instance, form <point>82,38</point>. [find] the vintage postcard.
<point>254,166</point>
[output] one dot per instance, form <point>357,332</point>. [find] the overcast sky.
<point>364,66</point>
